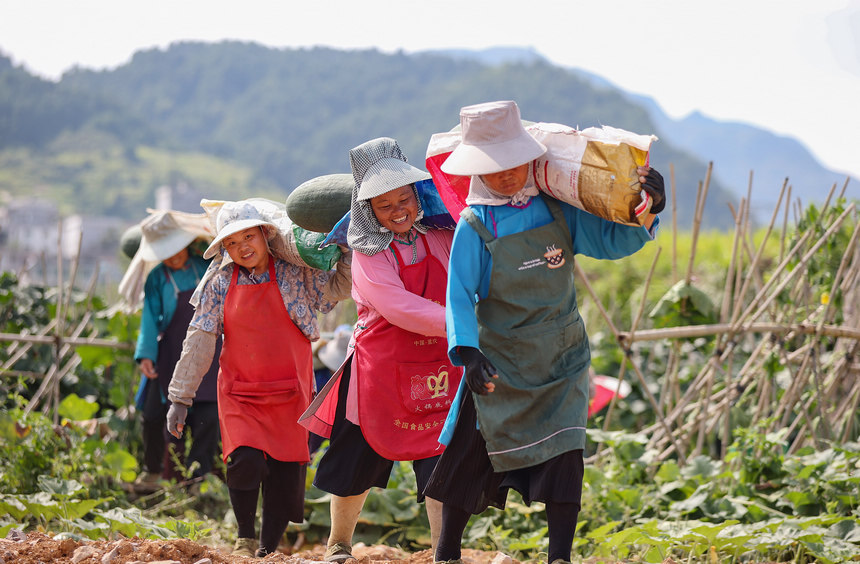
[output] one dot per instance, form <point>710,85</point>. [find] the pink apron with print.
<point>406,382</point>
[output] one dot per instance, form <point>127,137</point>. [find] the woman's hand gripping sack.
<point>652,182</point>
<point>479,370</point>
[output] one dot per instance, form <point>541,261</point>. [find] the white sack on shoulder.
<point>594,169</point>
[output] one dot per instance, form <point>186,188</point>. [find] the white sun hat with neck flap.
<point>493,140</point>
<point>379,166</point>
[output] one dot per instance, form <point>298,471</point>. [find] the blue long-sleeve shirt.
<point>471,263</point>
<point>159,302</point>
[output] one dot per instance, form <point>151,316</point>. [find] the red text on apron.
<point>406,382</point>
<point>266,376</point>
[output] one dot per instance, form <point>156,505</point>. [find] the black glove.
<point>479,369</point>
<point>655,187</point>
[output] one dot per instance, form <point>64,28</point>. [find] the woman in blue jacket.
<point>512,321</point>
<point>163,324</point>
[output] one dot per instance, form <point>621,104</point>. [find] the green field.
<point>739,445</point>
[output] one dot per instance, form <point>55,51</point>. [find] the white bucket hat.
<point>161,237</point>
<point>378,167</point>
<point>494,140</point>
<point>234,217</point>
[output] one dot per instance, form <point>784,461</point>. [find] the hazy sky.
<point>789,66</point>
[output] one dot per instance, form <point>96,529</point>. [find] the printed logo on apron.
<point>424,386</point>
<point>554,259</point>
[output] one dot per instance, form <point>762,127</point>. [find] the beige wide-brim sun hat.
<point>234,217</point>
<point>162,237</point>
<point>494,140</point>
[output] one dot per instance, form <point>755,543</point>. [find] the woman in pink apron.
<point>266,310</point>
<point>389,399</point>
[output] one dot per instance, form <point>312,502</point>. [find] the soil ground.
<point>38,548</point>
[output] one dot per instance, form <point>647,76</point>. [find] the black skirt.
<point>464,476</point>
<point>350,466</point>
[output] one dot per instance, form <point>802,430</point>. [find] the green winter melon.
<point>318,204</point>
<point>130,241</point>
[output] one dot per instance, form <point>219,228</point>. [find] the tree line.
<point>277,117</point>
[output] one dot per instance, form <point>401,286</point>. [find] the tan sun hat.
<point>161,237</point>
<point>234,217</point>
<point>494,140</point>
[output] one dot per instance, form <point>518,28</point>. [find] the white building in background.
<point>164,198</point>
<point>30,226</point>
<point>72,235</point>
<point>94,235</point>
<point>181,197</point>
<point>29,236</point>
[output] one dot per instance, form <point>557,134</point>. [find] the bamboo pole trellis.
<point>63,345</point>
<point>765,317</point>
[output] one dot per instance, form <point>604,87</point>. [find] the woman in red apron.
<point>266,310</point>
<point>389,399</point>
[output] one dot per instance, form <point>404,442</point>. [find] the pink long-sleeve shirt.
<point>379,292</point>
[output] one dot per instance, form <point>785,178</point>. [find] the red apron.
<point>266,376</point>
<point>406,382</point>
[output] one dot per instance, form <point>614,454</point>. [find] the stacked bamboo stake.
<point>777,351</point>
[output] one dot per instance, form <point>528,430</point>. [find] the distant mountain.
<point>35,112</point>
<point>739,150</point>
<point>496,55</point>
<point>736,149</point>
<point>234,119</point>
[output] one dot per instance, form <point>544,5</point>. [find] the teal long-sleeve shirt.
<point>159,302</point>
<point>469,272</point>
<point>471,263</point>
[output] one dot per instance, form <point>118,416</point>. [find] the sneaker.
<point>147,482</point>
<point>245,547</point>
<point>262,553</point>
<point>338,552</point>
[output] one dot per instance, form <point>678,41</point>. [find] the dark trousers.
<point>201,422</point>
<point>250,472</point>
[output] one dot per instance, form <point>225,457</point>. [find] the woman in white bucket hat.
<point>166,241</point>
<point>266,309</point>
<point>512,321</point>
<point>389,399</point>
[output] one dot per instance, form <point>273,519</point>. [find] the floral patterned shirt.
<point>301,289</point>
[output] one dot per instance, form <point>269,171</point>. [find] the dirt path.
<point>38,548</point>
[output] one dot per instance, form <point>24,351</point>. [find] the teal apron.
<point>529,327</point>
